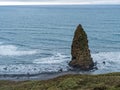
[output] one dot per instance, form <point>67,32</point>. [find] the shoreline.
<point>41,76</point>
<point>45,76</point>
<point>109,81</point>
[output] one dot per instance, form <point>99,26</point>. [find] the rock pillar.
<point>81,57</point>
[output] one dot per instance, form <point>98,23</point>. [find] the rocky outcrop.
<point>81,57</point>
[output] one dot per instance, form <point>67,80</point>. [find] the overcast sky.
<point>42,2</point>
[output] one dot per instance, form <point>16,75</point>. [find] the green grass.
<point>68,82</point>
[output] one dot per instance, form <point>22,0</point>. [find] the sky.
<point>57,2</point>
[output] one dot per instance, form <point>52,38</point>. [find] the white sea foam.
<point>56,58</point>
<point>107,56</point>
<point>59,61</point>
<point>111,59</point>
<point>31,68</point>
<point>17,69</point>
<point>11,50</point>
<point>49,64</point>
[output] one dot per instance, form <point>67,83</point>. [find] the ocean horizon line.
<point>51,3</point>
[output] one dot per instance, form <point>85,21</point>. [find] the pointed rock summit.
<point>81,57</point>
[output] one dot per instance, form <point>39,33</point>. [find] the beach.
<point>37,45</point>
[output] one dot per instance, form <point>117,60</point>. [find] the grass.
<point>109,81</point>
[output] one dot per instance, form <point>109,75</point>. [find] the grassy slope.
<point>68,82</point>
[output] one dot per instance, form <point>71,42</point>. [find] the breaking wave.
<point>107,62</point>
<point>60,61</point>
<point>41,65</point>
<point>56,58</point>
<point>11,50</point>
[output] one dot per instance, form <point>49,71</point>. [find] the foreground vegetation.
<point>68,82</point>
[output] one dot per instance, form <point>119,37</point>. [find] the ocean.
<point>37,39</point>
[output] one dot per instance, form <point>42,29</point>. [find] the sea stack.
<point>81,57</point>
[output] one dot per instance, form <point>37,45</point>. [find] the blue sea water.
<point>37,39</point>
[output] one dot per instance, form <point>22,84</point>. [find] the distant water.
<point>37,39</point>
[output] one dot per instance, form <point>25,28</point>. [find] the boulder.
<point>81,57</point>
